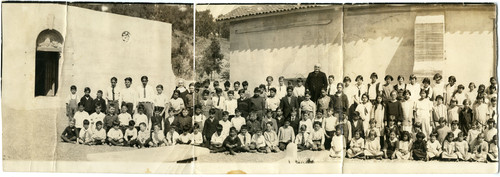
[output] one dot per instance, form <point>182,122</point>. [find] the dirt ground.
<point>41,129</point>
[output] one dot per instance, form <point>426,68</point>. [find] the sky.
<point>216,10</point>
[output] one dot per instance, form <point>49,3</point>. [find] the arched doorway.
<point>48,52</point>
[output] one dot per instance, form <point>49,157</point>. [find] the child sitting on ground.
<point>493,153</point>
<point>449,148</point>
<point>404,147</point>
<point>69,134</point>
<point>197,137</point>
<point>185,138</point>
<point>258,142</point>
<point>217,140</point>
<point>462,148</point>
<point>245,138</point>
<point>157,137</point>
<point>433,147</point>
<point>115,135</point>
<point>356,146</point>
<point>337,145</point>
<point>143,136</point>
<point>232,143</point>
<point>390,146</point>
<point>85,135</point>
<point>479,149</point>
<point>99,134</point>
<point>286,135</point>
<point>303,139</point>
<point>419,148</point>
<point>318,137</point>
<point>172,136</point>
<point>271,139</point>
<point>372,147</point>
<point>130,133</point>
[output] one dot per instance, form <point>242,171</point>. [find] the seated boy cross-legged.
<point>115,135</point>
<point>232,143</point>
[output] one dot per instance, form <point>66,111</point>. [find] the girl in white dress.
<point>407,106</point>
<point>364,110</point>
<point>423,109</point>
<point>433,147</point>
<point>471,94</point>
<point>378,112</point>
<point>449,148</point>
<point>404,146</point>
<point>462,147</point>
<point>438,88</point>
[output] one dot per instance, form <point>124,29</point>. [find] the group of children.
<point>122,117</point>
<point>374,120</point>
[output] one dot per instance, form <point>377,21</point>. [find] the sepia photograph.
<point>369,88</point>
<point>94,83</point>
<point>285,88</point>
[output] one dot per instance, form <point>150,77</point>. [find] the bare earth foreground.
<point>33,135</point>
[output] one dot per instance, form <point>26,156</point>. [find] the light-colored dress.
<point>462,150</point>
<point>433,149</point>
<point>378,114</point>
<point>407,107</point>
<point>403,151</point>
<point>364,112</point>
<point>423,108</point>
<point>337,148</point>
<point>452,114</point>
<point>480,151</point>
<point>372,148</point>
<point>449,150</point>
<point>356,147</point>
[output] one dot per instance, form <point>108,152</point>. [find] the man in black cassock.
<point>316,81</point>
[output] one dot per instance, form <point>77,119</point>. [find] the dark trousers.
<point>68,139</point>
<point>328,141</point>
<point>282,145</point>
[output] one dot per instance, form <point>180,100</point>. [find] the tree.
<point>179,57</point>
<point>212,59</point>
<point>223,28</point>
<point>205,24</point>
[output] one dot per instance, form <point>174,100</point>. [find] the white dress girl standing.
<point>423,108</point>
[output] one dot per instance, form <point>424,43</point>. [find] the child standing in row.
<point>72,103</point>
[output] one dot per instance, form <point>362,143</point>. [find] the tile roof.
<point>251,10</point>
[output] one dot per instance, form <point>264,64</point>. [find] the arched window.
<point>49,45</point>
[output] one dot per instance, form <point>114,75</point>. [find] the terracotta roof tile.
<point>251,10</point>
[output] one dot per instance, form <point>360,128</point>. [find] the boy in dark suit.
<point>87,101</point>
<point>289,103</point>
